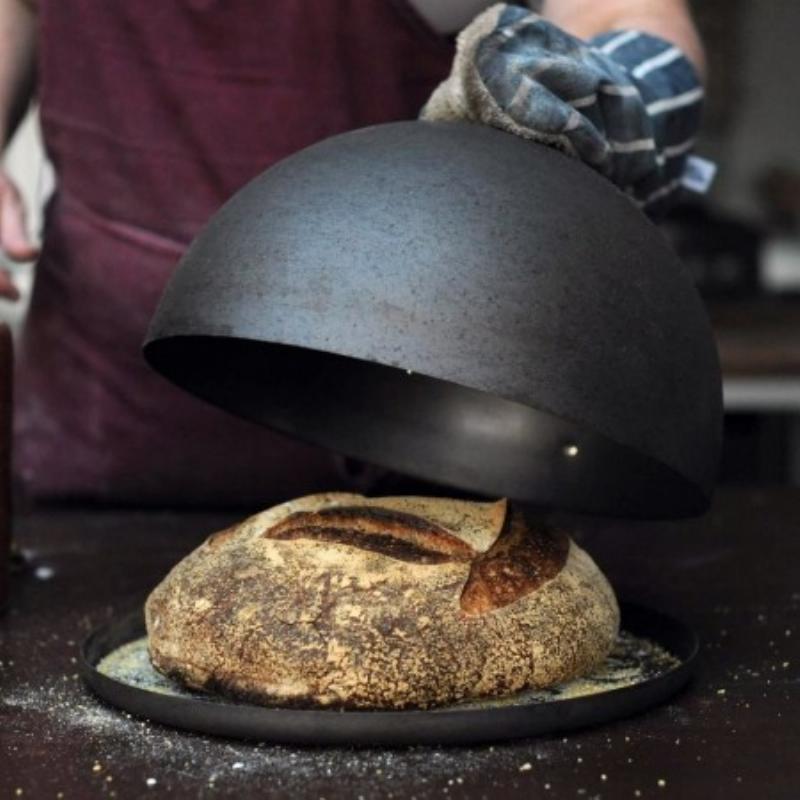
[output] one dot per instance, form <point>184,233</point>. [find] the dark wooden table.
<point>734,733</point>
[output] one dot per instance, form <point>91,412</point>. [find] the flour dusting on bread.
<point>341,600</point>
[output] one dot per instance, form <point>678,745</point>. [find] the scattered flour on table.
<point>67,707</point>
<point>63,707</point>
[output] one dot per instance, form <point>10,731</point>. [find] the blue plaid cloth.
<point>626,103</point>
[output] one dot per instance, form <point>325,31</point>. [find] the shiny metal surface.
<point>461,305</point>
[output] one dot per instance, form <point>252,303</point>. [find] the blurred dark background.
<point>742,240</point>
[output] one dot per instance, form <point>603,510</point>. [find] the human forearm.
<point>17,62</point>
<point>668,19</point>
<point>17,68</point>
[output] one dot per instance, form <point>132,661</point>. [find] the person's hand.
<point>626,103</point>
<point>15,243</point>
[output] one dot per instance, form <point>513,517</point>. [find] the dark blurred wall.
<point>754,108</point>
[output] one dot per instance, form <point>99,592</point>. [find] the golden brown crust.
<point>518,563</point>
<point>326,622</point>
<point>220,537</point>
<point>395,534</point>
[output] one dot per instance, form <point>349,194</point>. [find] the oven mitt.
<point>626,103</point>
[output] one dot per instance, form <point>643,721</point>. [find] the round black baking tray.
<point>448,725</point>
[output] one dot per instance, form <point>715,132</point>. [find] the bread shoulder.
<point>338,599</point>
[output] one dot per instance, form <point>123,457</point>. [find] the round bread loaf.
<point>341,600</point>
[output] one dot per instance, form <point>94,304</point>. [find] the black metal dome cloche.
<point>461,305</point>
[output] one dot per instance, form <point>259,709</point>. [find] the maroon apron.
<point>153,114</point>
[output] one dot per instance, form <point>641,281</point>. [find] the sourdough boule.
<point>342,600</point>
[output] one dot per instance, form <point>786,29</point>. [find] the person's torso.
<point>155,112</point>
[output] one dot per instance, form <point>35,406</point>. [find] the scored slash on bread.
<point>476,524</point>
<point>517,562</point>
<point>393,533</point>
